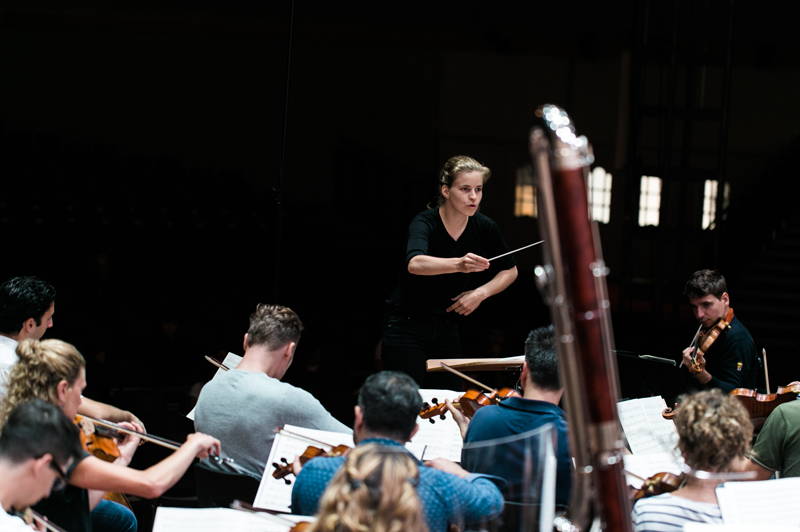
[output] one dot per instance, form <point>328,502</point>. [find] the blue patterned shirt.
<point>446,499</point>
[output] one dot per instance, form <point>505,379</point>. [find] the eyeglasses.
<point>61,480</point>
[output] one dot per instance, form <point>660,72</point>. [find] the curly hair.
<point>375,490</point>
<point>714,429</point>
<point>41,366</point>
<point>454,166</point>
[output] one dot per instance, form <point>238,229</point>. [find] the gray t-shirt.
<point>243,409</point>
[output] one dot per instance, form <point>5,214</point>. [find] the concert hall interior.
<point>168,166</point>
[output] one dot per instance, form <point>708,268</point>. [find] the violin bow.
<point>766,370</point>
<point>466,377</point>
<point>217,363</point>
<point>694,343</point>
<point>169,444</point>
<point>304,437</point>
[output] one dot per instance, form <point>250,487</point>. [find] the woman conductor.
<point>447,272</point>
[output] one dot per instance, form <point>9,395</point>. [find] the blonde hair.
<point>41,366</point>
<point>454,166</point>
<point>714,429</point>
<point>375,490</point>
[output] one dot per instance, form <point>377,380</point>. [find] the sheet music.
<point>442,438</point>
<point>273,493</point>
<point>760,502</point>
<point>231,361</point>
<point>214,519</point>
<point>647,465</point>
<point>645,428</point>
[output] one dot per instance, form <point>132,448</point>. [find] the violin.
<point>284,469</point>
<point>703,340</point>
<point>468,403</point>
<point>101,442</point>
<point>761,405</point>
<point>659,483</point>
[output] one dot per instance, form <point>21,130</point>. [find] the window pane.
<point>525,194</point>
<point>709,203</point>
<point>600,195</point>
<point>649,200</point>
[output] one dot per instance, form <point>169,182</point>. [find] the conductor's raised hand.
<point>472,263</point>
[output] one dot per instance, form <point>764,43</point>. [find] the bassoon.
<point>573,280</point>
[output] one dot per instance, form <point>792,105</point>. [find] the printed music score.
<point>214,519</point>
<point>442,438</point>
<point>759,503</point>
<point>646,465</point>
<point>645,428</point>
<point>231,361</point>
<point>273,493</point>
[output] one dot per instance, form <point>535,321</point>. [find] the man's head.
<point>40,443</point>
<point>541,362</point>
<point>707,292</point>
<point>388,405</point>
<point>276,329</point>
<point>27,305</point>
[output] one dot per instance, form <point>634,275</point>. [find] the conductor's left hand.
<point>466,302</point>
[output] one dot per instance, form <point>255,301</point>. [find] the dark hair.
<point>390,402</point>
<point>35,428</point>
<point>274,326</point>
<point>22,298</point>
<point>540,354</point>
<point>705,282</point>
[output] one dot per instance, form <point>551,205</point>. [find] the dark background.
<point>166,168</point>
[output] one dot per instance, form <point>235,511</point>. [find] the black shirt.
<point>68,508</point>
<point>731,359</point>
<point>432,294</point>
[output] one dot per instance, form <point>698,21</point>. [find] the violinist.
<point>723,354</point>
<point>714,432</point>
<point>374,490</point>
<point>244,406</point>
<point>538,406</point>
<point>386,414</point>
<point>37,445</point>
<point>777,447</point>
<point>55,371</point>
<point>27,305</point>
<point>446,273</point>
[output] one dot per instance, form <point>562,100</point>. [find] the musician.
<point>538,406</point>
<point>731,360</point>
<point>55,371</point>
<point>447,272</point>
<point>37,446</point>
<point>374,490</point>
<point>27,305</point>
<point>777,447</point>
<point>386,414</point>
<point>714,433</point>
<point>244,406</point>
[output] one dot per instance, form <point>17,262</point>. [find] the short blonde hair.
<point>454,166</point>
<point>41,366</point>
<point>374,491</point>
<point>714,429</point>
